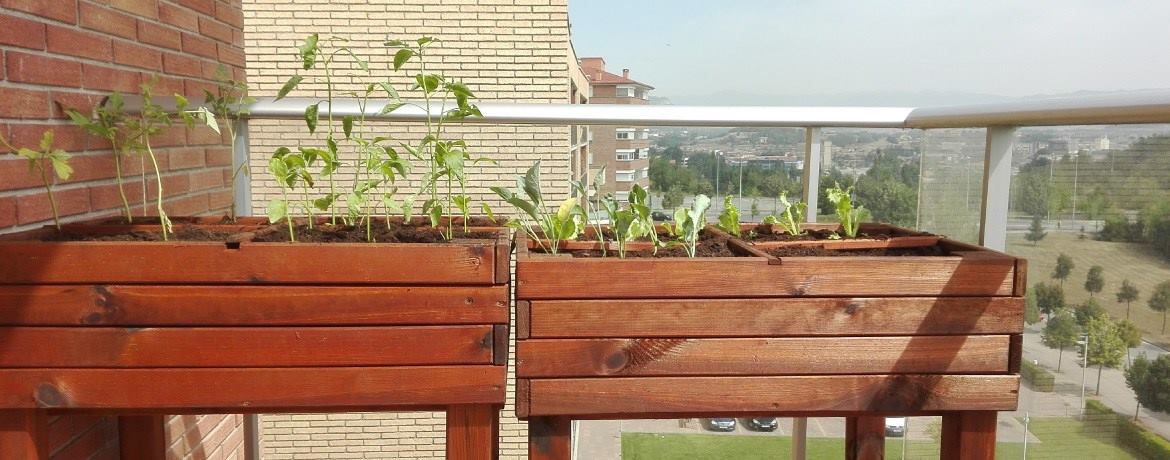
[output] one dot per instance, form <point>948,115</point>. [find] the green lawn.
<point>1060,438</point>
<point>1136,262</point>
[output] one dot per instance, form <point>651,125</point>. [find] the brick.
<point>110,79</point>
<point>23,103</point>
<point>83,103</point>
<point>35,208</point>
<point>202,135</point>
<point>102,197</point>
<point>187,206</point>
<point>140,8</point>
<point>172,136</point>
<point>7,212</point>
<point>137,56</point>
<point>186,158</point>
<point>206,179</point>
<point>66,137</point>
<point>231,55</point>
<point>15,175</point>
<point>165,86</point>
<point>197,87</point>
<point>178,64</point>
<point>179,17</point>
<point>214,29</point>
<point>58,10</point>
<point>28,68</point>
<point>218,156</point>
<point>63,40</point>
<point>154,34</point>
<point>201,46</point>
<point>203,6</point>
<point>22,32</point>
<point>112,22</point>
<point>230,14</point>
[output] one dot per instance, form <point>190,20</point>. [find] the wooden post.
<point>473,432</point>
<point>24,435</point>
<point>969,435</point>
<point>865,438</point>
<point>550,438</point>
<point>142,437</point>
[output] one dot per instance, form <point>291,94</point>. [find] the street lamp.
<point>1084,366</point>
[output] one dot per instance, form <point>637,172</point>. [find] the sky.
<point>890,52</point>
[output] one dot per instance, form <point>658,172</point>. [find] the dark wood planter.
<point>249,327</point>
<point>858,337</point>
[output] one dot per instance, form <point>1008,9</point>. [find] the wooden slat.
<point>544,277</point>
<point>500,341</point>
<point>865,438</point>
<point>123,305</point>
<point>523,319</point>
<point>24,435</point>
<point>969,435</point>
<point>550,438</point>
<point>473,432</point>
<point>628,397</point>
<point>1015,353</point>
<point>782,356</point>
<point>62,347</point>
<point>1021,282</point>
<point>251,263</point>
<point>252,389</point>
<point>864,243</point>
<point>522,398</point>
<point>775,317</point>
<point>142,437</point>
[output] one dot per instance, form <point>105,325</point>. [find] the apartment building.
<point>624,151</point>
<point>581,157</point>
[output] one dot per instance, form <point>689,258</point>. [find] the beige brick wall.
<point>505,51</point>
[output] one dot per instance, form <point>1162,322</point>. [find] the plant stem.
<point>287,218</point>
<point>162,215</point>
<point>49,191</point>
<point>329,99</point>
<point>121,187</point>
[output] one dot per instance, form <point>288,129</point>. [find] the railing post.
<point>969,435</point>
<point>24,435</point>
<point>799,437</point>
<point>142,437</point>
<point>865,438</point>
<point>473,432</point>
<point>812,171</point>
<point>549,438</point>
<point>997,181</point>
<point>243,199</point>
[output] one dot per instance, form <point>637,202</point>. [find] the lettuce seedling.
<point>632,221</point>
<point>688,223</point>
<point>729,218</point>
<point>556,227</point>
<point>41,161</point>
<point>850,216</point>
<point>792,216</point>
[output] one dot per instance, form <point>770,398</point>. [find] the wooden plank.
<point>503,268</point>
<point>774,317</point>
<point>143,306</point>
<point>24,435</point>
<point>522,397</point>
<point>473,432</point>
<point>523,319</point>
<point>631,397</point>
<point>1015,353</point>
<point>550,438</point>
<point>252,389</point>
<point>1020,288</point>
<point>969,435</point>
<point>142,437</point>
<point>774,356</point>
<point>26,347</point>
<point>861,243</point>
<point>251,263</point>
<point>865,438</point>
<point>500,344</point>
<point>544,277</point>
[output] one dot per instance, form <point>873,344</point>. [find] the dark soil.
<point>817,251</point>
<point>709,246</point>
<point>154,220</point>
<point>182,233</point>
<point>324,233</point>
<point>772,233</point>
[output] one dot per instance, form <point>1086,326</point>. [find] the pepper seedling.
<point>40,162</point>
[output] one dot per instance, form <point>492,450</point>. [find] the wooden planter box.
<point>249,327</point>
<point>860,337</point>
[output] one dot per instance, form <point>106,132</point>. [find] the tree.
<point>755,208</point>
<point>673,198</point>
<point>1106,347</point>
<point>1035,231</point>
<point>1137,377</point>
<point>1160,301</point>
<point>1061,332</point>
<point>1130,334</point>
<point>1095,280</point>
<point>1064,268</point>
<point>1089,311</point>
<point>1128,293</point>
<point>1049,298</point>
<point>1031,310</point>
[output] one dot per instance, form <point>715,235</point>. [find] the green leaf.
<point>311,117</point>
<point>308,51</point>
<point>289,86</point>
<point>391,107</point>
<point>530,183</point>
<point>394,43</point>
<point>401,57</point>
<point>390,91</point>
<point>566,208</point>
<point>487,211</point>
<point>60,161</point>
<point>423,41</point>
<point>347,125</point>
<point>277,210</point>
<point>324,203</point>
<point>47,141</point>
<point>428,82</point>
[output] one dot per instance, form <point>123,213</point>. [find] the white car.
<point>895,426</point>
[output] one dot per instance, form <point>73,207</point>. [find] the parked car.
<point>761,423</point>
<point>720,424</point>
<point>895,426</point>
<point>659,216</point>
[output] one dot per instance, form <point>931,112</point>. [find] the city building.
<point>581,157</point>
<point>624,151</point>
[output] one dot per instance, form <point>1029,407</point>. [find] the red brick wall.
<point>57,54</point>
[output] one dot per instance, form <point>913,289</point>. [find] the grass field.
<point>1133,261</point>
<point>1059,439</point>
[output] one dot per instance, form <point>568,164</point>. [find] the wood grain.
<point>627,397</point>
<point>24,435</point>
<point>142,437</point>
<point>473,432</point>
<point>550,438</point>
<point>253,389</point>
<point>129,305</point>
<point>861,243</point>
<point>969,435</point>
<point>774,317</point>
<point>545,277</point>
<point>774,356</point>
<point>865,438</point>
<point>29,347</point>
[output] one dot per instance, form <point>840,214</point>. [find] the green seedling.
<point>729,218</point>
<point>850,216</point>
<point>40,162</point>
<point>555,227</point>
<point>107,122</point>
<point>792,216</point>
<point>229,102</point>
<point>689,223</point>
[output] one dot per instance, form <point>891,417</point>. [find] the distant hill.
<point>878,99</point>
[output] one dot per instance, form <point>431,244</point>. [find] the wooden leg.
<point>865,438</point>
<point>473,432</point>
<point>549,438</point>
<point>969,436</point>
<point>24,435</point>
<point>142,437</point>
